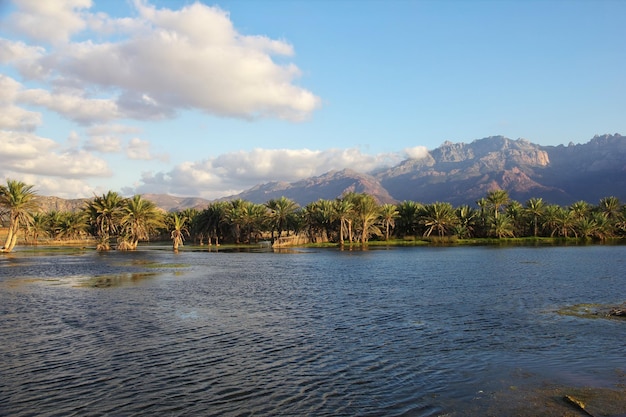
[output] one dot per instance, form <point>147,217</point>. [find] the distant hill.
<point>458,173</point>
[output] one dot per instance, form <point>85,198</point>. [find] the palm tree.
<point>609,207</point>
<point>367,213</point>
<point>502,227</point>
<point>603,227</point>
<point>551,219</point>
<point>343,210</point>
<point>438,217</point>
<point>407,222</point>
<point>319,218</point>
<point>535,208</point>
<point>566,222</point>
<point>104,213</point>
<point>388,215</point>
<point>39,226</point>
<point>254,220</point>
<point>212,220</point>
<point>179,229</point>
<point>497,199</point>
<point>18,202</point>
<point>514,211</point>
<point>586,227</point>
<point>580,209</point>
<point>71,225</point>
<point>235,214</point>
<point>280,210</point>
<point>466,221</point>
<point>139,219</point>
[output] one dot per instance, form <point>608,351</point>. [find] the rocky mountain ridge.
<point>461,173</point>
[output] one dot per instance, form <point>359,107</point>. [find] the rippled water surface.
<point>403,331</point>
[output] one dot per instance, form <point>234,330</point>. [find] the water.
<point>403,331</point>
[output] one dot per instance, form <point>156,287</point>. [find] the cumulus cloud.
<point>234,172</point>
<point>52,186</point>
<point>27,153</point>
<point>140,149</point>
<point>48,21</point>
<point>104,144</point>
<point>167,60</point>
<point>13,117</point>
<point>75,107</point>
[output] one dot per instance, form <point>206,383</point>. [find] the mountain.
<point>49,204</point>
<point>163,201</point>
<point>459,173</point>
<point>462,173</point>
<point>172,203</point>
<point>328,186</point>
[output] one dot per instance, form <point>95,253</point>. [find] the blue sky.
<point>208,99</point>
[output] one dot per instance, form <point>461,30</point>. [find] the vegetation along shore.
<point>111,221</point>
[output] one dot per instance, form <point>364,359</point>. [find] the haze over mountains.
<point>461,173</point>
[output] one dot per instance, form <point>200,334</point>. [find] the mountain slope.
<point>328,186</point>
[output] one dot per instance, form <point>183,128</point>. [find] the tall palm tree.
<point>497,199</point>
<point>319,219</point>
<point>388,215</point>
<point>367,213</point>
<point>343,210</point>
<point>18,202</point>
<point>213,220</point>
<point>551,219</point>
<point>177,224</point>
<point>254,220</point>
<point>515,211</point>
<point>104,214</point>
<point>139,218</point>
<point>235,214</point>
<point>534,208</point>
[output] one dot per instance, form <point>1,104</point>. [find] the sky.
<point>207,99</point>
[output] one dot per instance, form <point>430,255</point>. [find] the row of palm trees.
<point>115,221</point>
<point>358,218</point>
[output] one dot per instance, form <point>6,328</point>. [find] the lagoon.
<point>422,331</point>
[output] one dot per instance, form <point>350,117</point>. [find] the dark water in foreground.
<point>405,331</point>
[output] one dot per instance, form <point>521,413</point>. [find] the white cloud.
<point>30,154</point>
<point>48,21</point>
<point>17,118</point>
<point>73,106</point>
<point>234,172</point>
<point>12,51</point>
<point>416,152</point>
<point>140,149</point>
<point>111,129</point>
<point>13,117</point>
<point>104,144</point>
<point>52,186</point>
<point>168,60</point>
